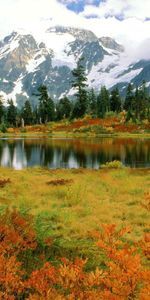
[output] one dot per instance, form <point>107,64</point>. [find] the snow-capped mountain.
<point>26,61</point>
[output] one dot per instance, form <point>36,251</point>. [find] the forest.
<point>136,104</point>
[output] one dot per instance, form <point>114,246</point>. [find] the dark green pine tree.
<point>137,103</point>
<point>64,108</point>
<point>51,112</point>
<point>129,103</point>
<point>143,95</point>
<point>27,114</point>
<point>92,103</point>
<point>36,117</point>
<point>148,114</point>
<point>2,112</point>
<point>148,108</point>
<point>79,84</point>
<point>115,101</point>
<point>141,102</point>
<point>11,113</point>
<point>46,105</point>
<point>103,102</point>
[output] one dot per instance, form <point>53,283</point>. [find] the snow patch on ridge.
<point>110,71</point>
<point>16,91</point>
<point>34,63</point>
<point>8,48</point>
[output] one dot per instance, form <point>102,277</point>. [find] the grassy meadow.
<point>87,126</point>
<point>69,205</point>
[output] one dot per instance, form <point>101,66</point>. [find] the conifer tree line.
<point>136,103</point>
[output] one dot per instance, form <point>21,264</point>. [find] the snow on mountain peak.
<point>48,56</point>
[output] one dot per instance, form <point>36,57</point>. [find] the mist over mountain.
<point>27,61</point>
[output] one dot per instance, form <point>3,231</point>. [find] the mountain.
<point>108,42</point>
<point>26,61</point>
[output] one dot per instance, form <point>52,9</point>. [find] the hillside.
<point>26,61</point>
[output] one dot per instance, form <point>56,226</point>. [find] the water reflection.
<point>73,153</point>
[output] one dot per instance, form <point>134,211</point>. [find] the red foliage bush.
<point>124,276</point>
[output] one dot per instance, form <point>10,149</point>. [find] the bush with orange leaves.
<point>124,276</point>
<point>16,237</point>
<point>16,233</point>
<point>145,243</point>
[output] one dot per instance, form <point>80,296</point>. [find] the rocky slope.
<point>26,61</point>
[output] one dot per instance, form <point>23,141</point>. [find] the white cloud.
<point>28,13</point>
<point>76,1</point>
<point>128,21</point>
<point>143,50</point>
<point>126,8</point>
<point>34,15</point>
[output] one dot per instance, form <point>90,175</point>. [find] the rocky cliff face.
<point>109,43</point>
<point>26,62</point>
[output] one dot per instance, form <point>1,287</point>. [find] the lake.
<point>73,153</point>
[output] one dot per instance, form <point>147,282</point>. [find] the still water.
<point>73,153</point>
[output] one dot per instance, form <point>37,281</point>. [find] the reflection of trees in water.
<point>6,153</point>
<point>1,149</point>
<point>11,146</point>
<point>12,154</point>
<point>62,155</point>
<point>48,155</point>
<point>81,158</point>
<point>39,154</point>
<point>73,153</point>
<point>28,151</point>
<point>137,155</point>
<point>107,157</point>
<point>66,155</point>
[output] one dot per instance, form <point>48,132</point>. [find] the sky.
<point>128,21</point>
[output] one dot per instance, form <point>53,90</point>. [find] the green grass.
<point>69,213</point>
<point>93,197</point>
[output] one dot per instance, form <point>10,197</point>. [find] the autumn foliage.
<point>124,276</point>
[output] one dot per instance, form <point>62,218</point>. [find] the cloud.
<point>128,21</point>
<point>66,2</point>
<point>29,13</point>
<point>78,5</point>
<point>141,51</point>
<point>125,8</point>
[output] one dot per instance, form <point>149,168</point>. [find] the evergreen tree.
<point>129,115</point>
<point>92,103</point>
<point>27,113</point>
<point>11,113</point>
<point>143,96</point>
<point>148,108</point>
<point>64,108</point>
<point>35,114</point>
<point>129,103</point>
<point>137,103</point>
<point>103,102</point>
<point>141,102</point>
<point>51,113</point>
<point>1,110</point>
<point>79,84</point>
<point>46,105</point>
<point>148,114</point>
<point>115,101</point>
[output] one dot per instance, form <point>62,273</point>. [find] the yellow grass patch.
<point>92,197</point>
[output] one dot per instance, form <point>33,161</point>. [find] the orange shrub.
<point>16,233</point>
<point>124,276</point>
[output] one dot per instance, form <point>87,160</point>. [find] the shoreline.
<point>73,135</point>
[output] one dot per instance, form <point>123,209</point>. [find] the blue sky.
<point>120,9</point>
<point>78,5</point>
